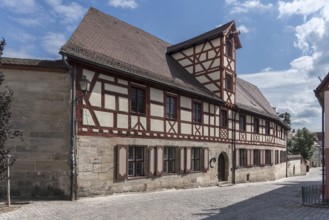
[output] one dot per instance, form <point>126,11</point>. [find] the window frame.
<point>140,104</point>
<point>224,119</point>
<point>268,157</point>
<point>167,161</point>
<point>256,125</point>
<point>256,153</point>
<point>243,123</point>
<point>229,48</point>
<point>243,157</point>
<point>276,157</point>
<point>172,114</point>
<point>267,128</point>
<point>197,112</point>
<point>196,161</point>
<point>228,82</point>
<point>135,161</point>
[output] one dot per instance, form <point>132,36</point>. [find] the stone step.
<point>224,184</point>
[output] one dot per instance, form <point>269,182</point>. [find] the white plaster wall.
<point>157,110</point>
<point>156,95</point>
<point>185,102</point>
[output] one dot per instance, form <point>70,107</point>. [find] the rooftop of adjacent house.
<point>103,40</point>
<point>7,62</point>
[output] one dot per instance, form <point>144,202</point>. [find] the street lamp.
<point>84,85</point>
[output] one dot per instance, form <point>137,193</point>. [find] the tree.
<point>286,118</point>
<point>6,96</point>
<point>302,143</point>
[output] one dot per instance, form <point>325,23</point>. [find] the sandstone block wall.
<point>41,110</point>
<point>97,171</point>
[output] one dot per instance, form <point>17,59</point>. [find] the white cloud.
<point>29,22</point>
<point>52,42</point>
<point>68,14</point>
<point>301,7</point>
<point>249,5</point>
<point>243,29</point>
<point>123,3</point>
<point>291,91</point>
<point>267,69</point>
<point>19,6</point>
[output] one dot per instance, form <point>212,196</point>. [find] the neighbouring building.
<point>322,94</point>
<point>156,115</point>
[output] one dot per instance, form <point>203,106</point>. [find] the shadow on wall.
<point>282,203</point>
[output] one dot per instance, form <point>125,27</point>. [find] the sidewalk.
<point>280,199</point>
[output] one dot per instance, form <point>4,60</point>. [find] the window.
<point>276,157</point>
<point>228,82</point>
<point>223,117</point>
<point>243,123</point>
<point>256,125</point>
<point>195,159</point>
<point>282,156</point>
<point>171,107</point>
<point>267,127</point>
<point>268,157</point>
<point>169,160</point>
<point>197,112</point>
<point>256,157</point>
<point>137,100</point>
<point>136,161</point>
<point>243,157</point>
<point>229,49</point>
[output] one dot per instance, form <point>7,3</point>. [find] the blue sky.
<point>285,43</point>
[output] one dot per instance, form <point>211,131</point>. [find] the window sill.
<point>135,177</point>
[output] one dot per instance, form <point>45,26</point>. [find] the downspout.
<point>323,183</point>
<point>234,147</point>
<point>73,129</point>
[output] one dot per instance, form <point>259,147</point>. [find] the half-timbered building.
<point>155,116</point>
<point>166,116</point>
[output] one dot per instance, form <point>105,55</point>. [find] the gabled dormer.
<point>210,58</point>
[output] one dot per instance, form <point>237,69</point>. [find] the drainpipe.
<point>234,146</point>
<point>323,183</point>
<point>73,129</point>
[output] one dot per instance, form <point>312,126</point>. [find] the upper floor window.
<point>243,126</point>
<point>267,127</point>
<point>228,82</point>
<point>171,107</point>
<point>136,161</point>
<point>195,159</point>
<point>256,125</point>
<point>169,160</point>
<point>137,100</point>
<point>197,112</point>
<point>223,118</point>
<point>229,49</point>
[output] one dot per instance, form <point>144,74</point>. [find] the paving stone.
<point>276,200</point>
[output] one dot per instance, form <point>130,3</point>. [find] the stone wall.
<point>97,171</point>
<point>41,110</point>
<point>296,165</point>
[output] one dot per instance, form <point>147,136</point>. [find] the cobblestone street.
<point>268,200</point>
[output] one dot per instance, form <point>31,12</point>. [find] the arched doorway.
<point>222,167</point>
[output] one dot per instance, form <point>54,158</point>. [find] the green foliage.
<point>6,96</point>
<point>302,143</point>
<point>286,118</point>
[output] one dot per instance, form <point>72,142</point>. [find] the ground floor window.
<point>243,157</point>
<point>256,157</point>
<point>268,157</point>
<point>136,161</point>
<point>169,160</point>
<point>195,159</point>
<point>276,157</point>
<point>282,156</point>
